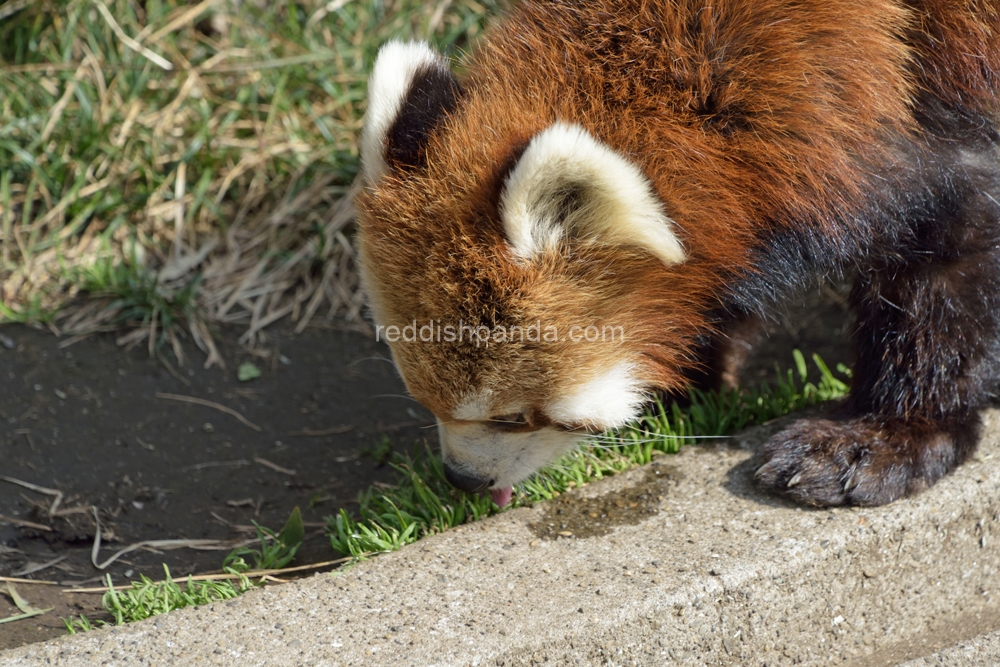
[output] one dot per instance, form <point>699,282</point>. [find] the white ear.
<point>568,184</point>
<point>404,72</point>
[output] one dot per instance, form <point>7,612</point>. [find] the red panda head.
<point>516,265</point>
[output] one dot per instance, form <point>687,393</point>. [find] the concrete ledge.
<point>690,565</point>
<point>983,651</point>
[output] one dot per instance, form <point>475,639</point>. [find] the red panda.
<point>656,168</point>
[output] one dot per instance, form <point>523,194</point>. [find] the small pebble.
<point>7,342</point>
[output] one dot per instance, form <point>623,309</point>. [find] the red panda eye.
<point>513,419</point>
<point>572,428</point>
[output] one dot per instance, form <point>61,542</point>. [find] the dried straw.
<point>208,145</point>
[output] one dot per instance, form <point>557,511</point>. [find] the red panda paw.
<point>862,461</point>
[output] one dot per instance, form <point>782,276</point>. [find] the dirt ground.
<point>86,420</point>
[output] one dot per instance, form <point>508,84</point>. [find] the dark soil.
<point>85,420</point>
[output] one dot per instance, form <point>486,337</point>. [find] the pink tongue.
<point>501,496</point>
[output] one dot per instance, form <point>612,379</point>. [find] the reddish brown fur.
<point>792,108</point>
<point>751,118</point>
<point>956,50</point>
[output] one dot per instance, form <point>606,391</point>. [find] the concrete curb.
<point>698,568</point>
<point>983,651</point>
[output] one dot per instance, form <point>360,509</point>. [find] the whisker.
<point>505,421</point>
<point>375,358</point>
<point>676,436</point>
<point>450,421</point>
<point>655,438</point>
<point>594,445</point>
<point>409,398</point>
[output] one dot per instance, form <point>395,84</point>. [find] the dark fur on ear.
<point>433,93</point>
<point>410,91</point>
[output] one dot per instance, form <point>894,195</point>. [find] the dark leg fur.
<point>864,461</point>
<point>723,355</point>
<point>928,352</point>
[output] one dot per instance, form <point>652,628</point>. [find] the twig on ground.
<point>23,522</point>
<point>145,445</point>
<point>273,466</point>
<point>166,545</point>
<point>31,568</point>
<point>41,582</point>
<point>74,340</point>
<point>209,404</point>
<point>172,371</point>
<point>40,489</point>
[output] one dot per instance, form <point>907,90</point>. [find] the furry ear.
<point>411,88</point>
<point>567,184</point>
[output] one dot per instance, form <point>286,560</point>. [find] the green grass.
<point>423,503</point>
<point>147,598</point>
<point>75,625</point>
<point>276,549</point>
<point>219,182</point>
<point>135,294</point>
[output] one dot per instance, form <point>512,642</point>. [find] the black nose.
<point>461,480</point>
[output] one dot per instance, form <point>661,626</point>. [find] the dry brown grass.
<point>189,163</point>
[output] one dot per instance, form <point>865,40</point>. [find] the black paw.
<point>861,461</point>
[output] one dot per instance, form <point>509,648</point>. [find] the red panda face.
<point>510,289</point>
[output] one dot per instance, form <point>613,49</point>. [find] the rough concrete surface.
<point>983,651</point>
<point>704,569</point>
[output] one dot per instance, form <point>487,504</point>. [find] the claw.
<point>795,480</point>
<point>764,470</point>
<point>852,480</point>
